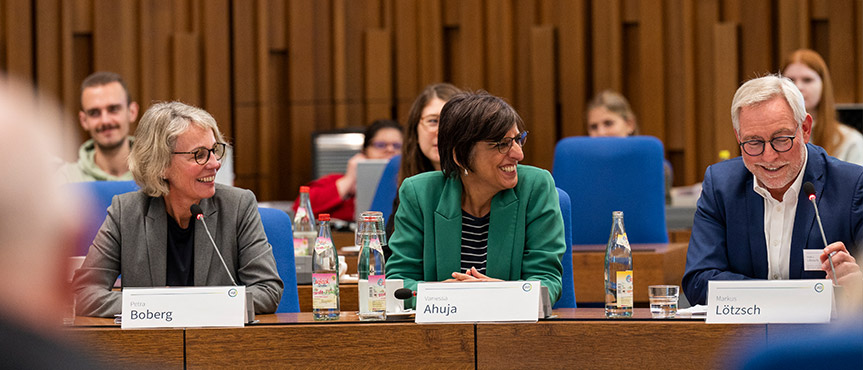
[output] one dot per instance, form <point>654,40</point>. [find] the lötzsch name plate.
<point>769,301</point>
<point>184,307</point>
<point>477,302</point>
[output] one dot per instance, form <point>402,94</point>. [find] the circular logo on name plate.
<point>819,287</point>
<point>232,292</point>
<point>526,287</point>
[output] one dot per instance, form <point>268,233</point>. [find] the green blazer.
<point>525,236</point>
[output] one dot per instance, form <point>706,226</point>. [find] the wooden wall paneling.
<point>726,81</point>
<point>354,78</point>
<point>48,47</point>
<point>266,137</point>
<point>469,65</point>
<point>430,40</point>
<point>607,46</point>
<point>69,85</point>
<point>651,79</point>
<point>216,39</point>
<point>378,62</point>
<point>841,46</point>
<point>19,39</point>
<point>277,36</point>
<point>859,54</point>
<point>499,35</point>
<point>820,9</point>
<point>573,65</point>
<point>340,68</point>
<point>186,67</point>
<point>525,17</point>
<point>245,81</point>
<point>323,72</point>
<point>181,13</point>
<point>156,50</point>
<point>680,143</point>
<point>542,124</point>
<point>82,15</point>
<point>115,40</point>
<point>792,27</point>
<point>756,36</point>
<point>629,10</point>
<point>300,84</point>
<point>3,45</point>
<point>406,56</point>
<point>706,15</point>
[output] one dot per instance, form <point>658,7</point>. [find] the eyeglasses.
<point>780,144</point>
<point>505,145</point>
<point>430,122</point>
<point>202,155</point>
<point>382,145</point>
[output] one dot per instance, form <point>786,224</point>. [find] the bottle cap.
<point>304,189</point>
<point>324,217</point>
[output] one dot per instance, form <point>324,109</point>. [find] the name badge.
<point>184,307</point>
<point>769,301</point>
<point>477,302</point>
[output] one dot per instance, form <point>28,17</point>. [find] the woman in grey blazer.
<point>149,236</point>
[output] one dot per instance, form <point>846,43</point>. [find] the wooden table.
<point>154,348</point>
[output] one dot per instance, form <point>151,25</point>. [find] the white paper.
<point>812,260</point>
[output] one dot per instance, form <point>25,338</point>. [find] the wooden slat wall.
<point>273,71</point>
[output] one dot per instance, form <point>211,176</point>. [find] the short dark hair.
<point>376,126</point>
<point>467,119</point>
<point>104,78</point>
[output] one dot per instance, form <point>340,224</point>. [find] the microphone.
<point>809,189</point>
<point>199,214</point>
<point>404,293</point>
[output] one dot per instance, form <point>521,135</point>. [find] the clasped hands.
<point>470,275</point>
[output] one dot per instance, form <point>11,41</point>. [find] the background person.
<point>150,237</point>
<point>483,217</point>
<point>810,74</point>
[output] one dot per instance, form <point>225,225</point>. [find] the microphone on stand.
<point>404,293</point>
<point>810,191</point>
<point>199,214</point>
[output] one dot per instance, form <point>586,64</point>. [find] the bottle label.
<point>301,213</point>
<point>377,293</point>
<point>322,245</point>
<point>325,290</point>
<point>301,246</point>
<point>624,288</point>
<point>622,240</point>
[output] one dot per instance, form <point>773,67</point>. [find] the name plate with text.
<point>184,307</point>
<point>769,301</point>
<point>477,302</point>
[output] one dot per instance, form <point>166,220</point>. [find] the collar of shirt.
<point>779,224</point>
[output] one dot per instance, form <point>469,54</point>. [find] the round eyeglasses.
<point>202,155</point>
<point>780,144</point>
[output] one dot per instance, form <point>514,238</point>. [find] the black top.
<point>181,254</point>
<point>22,348</point>
<point>474,242</point>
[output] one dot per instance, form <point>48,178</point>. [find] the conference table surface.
<point>572,338</point>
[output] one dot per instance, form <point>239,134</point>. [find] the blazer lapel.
<point>804,221</point>
<point>447,230</point>
<point>156,231</point>
<point>501,235</point>
<point>755,220</point>
<point>203,246</point>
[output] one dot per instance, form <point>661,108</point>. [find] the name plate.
<point>477,302</point>
<point>769,301</point>
<point>184,307</point>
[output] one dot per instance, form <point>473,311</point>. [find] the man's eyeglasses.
<point>505,145</point>
<point>780,144</point>
<point>430,122</point>
<point>202,155</point>
<point>382,145</point>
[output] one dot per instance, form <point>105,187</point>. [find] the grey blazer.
<point>133,242</point>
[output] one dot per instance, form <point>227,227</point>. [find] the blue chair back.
<point>387,188</point>
<point>567,293</point>
<point>99,194</point>
<point>613,174</point>
<point>277,226</point>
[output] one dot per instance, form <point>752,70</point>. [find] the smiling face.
<point>428,137</point>
<point>765,121</point>
<point>808,82</point>
<point>188,181</point>
<point>493,171</point>
<point>602,122</point>
<point>106,114</point>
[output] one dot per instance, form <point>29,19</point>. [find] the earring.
<point>465,171</point>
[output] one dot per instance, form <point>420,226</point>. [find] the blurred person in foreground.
<point>483,217</point>
<point>150,237</point>
<point>36,222</point>
<point>753,220</point>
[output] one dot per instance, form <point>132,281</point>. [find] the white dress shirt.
<point>779,224</point>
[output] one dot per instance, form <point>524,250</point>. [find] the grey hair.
<point>762,89</point>
<point>156,138</point>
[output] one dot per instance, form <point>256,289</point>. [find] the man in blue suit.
<point>753,221</point>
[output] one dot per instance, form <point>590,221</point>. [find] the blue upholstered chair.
<point>567,292</point>
<point>387,188</point>
<point>613,174</point>
<point>277,226</point>
<point>99,195</point>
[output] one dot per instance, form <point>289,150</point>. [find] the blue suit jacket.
<point>728,242</point>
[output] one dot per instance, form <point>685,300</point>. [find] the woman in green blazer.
<point>483,217</point>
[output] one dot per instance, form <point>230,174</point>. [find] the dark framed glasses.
<point>780,144</point>
<point>505,145</point>
<point>202,155</point>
